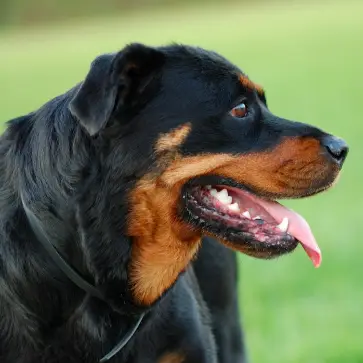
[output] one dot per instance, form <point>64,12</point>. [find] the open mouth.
<point>256,226</point>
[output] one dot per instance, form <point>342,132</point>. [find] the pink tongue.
<point>298,227</point>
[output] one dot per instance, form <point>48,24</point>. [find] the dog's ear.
<point>115,81</point>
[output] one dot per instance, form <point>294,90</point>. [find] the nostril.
<point>336,147</point>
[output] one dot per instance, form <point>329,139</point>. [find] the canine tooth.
<point>223,197</point>
<point>247,214</point>
<point>234,207</point>
<point>258,217</point>
<point>283,225</point>
<point>223,193</point>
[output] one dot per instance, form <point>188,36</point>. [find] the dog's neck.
<point>75,192</point>
<point>59,182</point>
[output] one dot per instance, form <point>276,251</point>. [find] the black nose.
<point>337,148</point>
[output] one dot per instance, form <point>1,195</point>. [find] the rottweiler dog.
<point>145,178</point>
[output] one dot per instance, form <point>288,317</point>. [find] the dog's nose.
<point>336,147</point>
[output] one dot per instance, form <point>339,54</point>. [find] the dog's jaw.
<point>162,244</point>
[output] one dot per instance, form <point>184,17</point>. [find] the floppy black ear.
<point>114,80</point>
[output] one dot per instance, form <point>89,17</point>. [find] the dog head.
<point>201,153</point>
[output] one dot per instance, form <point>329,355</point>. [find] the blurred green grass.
<point>309,59</point>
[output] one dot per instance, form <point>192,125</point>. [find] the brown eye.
<point>239,111</point>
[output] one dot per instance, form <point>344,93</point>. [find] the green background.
<point>309,58</point>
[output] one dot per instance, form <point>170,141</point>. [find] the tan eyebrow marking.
<point>247,83</point>
<point>173,139</point>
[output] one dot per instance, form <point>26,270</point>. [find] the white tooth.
<point>223,197</point>
<point>258,217</point>
<point>223,193</point>
<point>234,207</point>
<point>213,192</point>
<point>247,214</point>
<point>224,200</point>
<point>209,187</point>
<point>283,225</point>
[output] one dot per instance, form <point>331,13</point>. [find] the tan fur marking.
<point>162,245</point>
<point>247,83</point>
<point>173,139</point>
<point>288,170</point>
<point>171,358</point>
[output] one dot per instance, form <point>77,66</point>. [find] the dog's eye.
<point>239,111</point>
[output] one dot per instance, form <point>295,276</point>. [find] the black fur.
<point>74,161</point>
